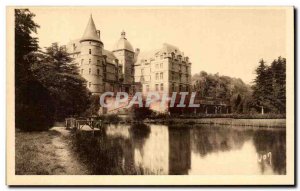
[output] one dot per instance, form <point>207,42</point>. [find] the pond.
<point>187,150</point>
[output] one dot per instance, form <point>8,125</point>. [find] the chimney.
<point>98,33</point>
<point>136,54</point>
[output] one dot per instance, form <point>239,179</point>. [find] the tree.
<point>94,105</point>
<point>56,71</point>
<point>33,103</point>
<point>224,88</point>
<point>140,113</point>
<point>269,90</point>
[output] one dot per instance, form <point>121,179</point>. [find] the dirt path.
<point>65,157</point>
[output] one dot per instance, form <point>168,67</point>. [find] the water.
<point>187,150</point>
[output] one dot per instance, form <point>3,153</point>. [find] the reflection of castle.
<point>152,156</point>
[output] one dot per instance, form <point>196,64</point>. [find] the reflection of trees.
<point>106,154</point>
<point>205,139</point>
<point>179,150</point>
<point>139,133</point>
<point>266,141</point>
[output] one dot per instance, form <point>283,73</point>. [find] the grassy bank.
<point>35,153</point>
<point>45,153</point>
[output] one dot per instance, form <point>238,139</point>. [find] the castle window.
<point>90,51</point>
<point>98,71</point>
<point>161,87</point>
<point>142,71</point>
<point>161,65</point>
<point>156,66</point>
<point>156,87</point>
<point>81,61</point>
<point>156,76</point>
<point>90,61</point>
<point>161,76</point>
<point>90,84</point>
<point>98,62</point>
<point>173,88</point>
<point>74,47</point>
<point>90,70</point>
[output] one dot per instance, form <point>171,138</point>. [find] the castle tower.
<point>125,54</point>
<point>91,58</point>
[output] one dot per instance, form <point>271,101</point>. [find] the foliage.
<point>232,91</point>
<point>111,118</point>
<point>94,105</point>
<point>269,90</point>
<point>55,70</point>
<point>141,113</point>
<point>33,103</point>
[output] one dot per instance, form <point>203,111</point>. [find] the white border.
<point>95,2</point>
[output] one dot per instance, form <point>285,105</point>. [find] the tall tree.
<point>33,110</point>
<point>56,71</point>
<point>269,90</point>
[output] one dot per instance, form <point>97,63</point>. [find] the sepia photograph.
<point>150,95</point>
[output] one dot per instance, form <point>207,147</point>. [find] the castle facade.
<point>164,70</point>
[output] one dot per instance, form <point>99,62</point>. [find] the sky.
<point>226,41</point>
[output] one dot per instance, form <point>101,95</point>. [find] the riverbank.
<point>46,153</point>
<point>269,123</point>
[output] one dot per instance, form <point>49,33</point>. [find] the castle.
<point>123,69</point>
<point>102,69</point>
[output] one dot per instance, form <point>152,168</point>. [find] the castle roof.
<point>165,49</point>
<point>123,44</point>
<point>110,57</point>
<point>90,32</point>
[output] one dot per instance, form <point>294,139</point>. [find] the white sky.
<point>227,41</point>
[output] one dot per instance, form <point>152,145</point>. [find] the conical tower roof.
<point>90,32</point>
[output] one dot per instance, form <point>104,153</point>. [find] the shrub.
<point>111,118</point>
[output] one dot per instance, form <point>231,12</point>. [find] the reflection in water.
<point>180,151</point>
<point>159,149</point>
